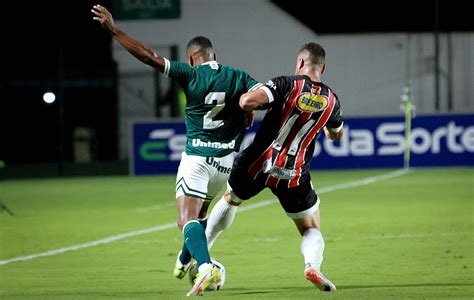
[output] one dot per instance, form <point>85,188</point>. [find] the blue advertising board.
<point>378,142</point>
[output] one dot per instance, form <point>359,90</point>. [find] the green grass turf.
<point>409,237</point>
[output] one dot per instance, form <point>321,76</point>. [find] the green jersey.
<point>215,123</point>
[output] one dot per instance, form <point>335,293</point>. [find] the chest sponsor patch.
<point>312,103</point>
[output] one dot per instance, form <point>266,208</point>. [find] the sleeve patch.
<point>271,85</point>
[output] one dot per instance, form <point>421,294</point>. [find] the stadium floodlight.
<point>49,97</point>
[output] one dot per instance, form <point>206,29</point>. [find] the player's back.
<point>214,120</point>
<point>285,139</point>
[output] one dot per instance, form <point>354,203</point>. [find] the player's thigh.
<point>300,202</point>
<point>308,221</point>
<point>193,177</point>
<point>242,184</point>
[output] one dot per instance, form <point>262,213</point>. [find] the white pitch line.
<point>106,240</point>
<point>418,235</point>
<point>262,203</point>
<point>364,181</point>
<point>154,207</point>
<point>415,235</point>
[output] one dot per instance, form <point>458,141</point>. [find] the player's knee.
<point>180,224</point>
<point>235,202</point>
<point>182,221</point>
<point>231,198</point>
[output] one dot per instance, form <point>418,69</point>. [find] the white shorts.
<point>202,177</point>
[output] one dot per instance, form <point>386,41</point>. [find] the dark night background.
<point>36,35</point>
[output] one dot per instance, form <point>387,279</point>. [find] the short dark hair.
<point>317,55</point>
<point>200,42</point>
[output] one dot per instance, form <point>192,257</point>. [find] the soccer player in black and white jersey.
<point>298,108</point>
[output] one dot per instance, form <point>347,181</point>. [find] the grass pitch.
<point>410,236</point>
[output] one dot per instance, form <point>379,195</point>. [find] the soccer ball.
<point>193,270</point>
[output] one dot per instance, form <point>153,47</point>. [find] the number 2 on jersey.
<point>217,99</point>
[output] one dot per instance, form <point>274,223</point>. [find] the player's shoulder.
<point>324,88</point>
<point>329,89</point>
<point>242,76</point>
<point>179,65</point>
<point>289,77</point>
<point>178,70</point>
<point>232,69</point>
<point>283,78</point>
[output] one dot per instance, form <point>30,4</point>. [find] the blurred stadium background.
<point>373,51</point>
<point>65,166</point>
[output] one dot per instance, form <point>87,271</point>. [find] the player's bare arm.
<point>138,49</point>
<point>254,100</point>
<point>333,134</point>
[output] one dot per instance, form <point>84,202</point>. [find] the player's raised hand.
<point>104,17</point>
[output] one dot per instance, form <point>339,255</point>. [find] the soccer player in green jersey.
<point>215,126</point>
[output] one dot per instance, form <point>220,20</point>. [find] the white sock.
<point>312,247</point>
<point>221,217</point>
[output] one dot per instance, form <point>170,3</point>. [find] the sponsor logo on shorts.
<point>214,163</point>
<point>278,172</point>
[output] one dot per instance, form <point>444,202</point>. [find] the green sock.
<point>185,256</point>
<point>195,240</point>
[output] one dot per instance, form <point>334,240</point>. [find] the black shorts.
<point>293,200</point>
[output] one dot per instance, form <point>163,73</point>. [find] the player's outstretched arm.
<point>138,49</point>
<point>254,100</point>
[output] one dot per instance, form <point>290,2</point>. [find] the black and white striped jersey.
<point>284,144</point>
